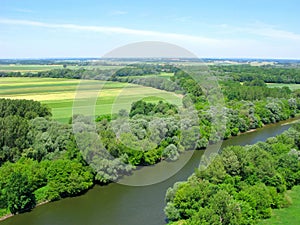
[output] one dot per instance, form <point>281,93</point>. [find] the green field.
<point>288,215</point>
<point>65,96</point>
<point>291,86</point>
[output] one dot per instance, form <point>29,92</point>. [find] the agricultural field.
<point>64,96</point>
<point>291,86</point>
<point>287,215</point>
<point>28,68</point>
<point>38,68</point>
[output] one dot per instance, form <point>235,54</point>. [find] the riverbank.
<point>294,120</point>
<point>262,159</point>
<point>118,196</point>
<point>11,215</point>
<point>6,217</point>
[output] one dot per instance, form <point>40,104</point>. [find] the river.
<point>117,204</point>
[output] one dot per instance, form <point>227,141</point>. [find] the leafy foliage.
<point>240,186</point>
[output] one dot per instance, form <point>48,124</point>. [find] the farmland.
<point>59,94</point>
<point>28,68</point>
<point>39,68</point>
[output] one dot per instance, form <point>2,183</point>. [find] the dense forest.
<point>268,74</point>
<point>38,158</point>
<point>240,186</point>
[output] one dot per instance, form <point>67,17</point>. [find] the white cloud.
<point>115,30</point>
<point>244,41</point>
<point>262,30</point>
<point>274,33</point>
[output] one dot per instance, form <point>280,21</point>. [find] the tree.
<point>228,210</point>
<point>171,152</point>
<point>19,194</point>
<point>231,162</point>
<point>67,178</point>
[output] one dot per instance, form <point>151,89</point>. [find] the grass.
<point>288,215</point>
<point>291,86</point>
<point>66,96</point>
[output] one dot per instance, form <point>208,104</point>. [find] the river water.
<point>118,204</point>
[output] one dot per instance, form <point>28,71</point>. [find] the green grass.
<point>291,86</point>
<point>287,216</point>
<point>65,96</point>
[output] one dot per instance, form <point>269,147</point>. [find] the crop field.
<point>65,96</point>
<point>288,215</point>
<point>291,86</point>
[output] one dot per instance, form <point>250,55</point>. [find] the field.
<point>65,96</point>
<point>38,68</point>
<point>291,86</point>
<point>288,215</point>
<point>28,68</point>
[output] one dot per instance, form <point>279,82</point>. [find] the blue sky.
<point>215,28</point>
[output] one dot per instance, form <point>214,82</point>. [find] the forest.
<point>38,158</point>
<point>240,186</point>
<point>268,73</point>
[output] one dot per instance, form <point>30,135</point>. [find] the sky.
<point>92,28</point>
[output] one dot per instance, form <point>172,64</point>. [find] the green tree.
<point>19,194</point>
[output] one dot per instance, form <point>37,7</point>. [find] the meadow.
<point>288,215</point>
<point>66,96</point>
<point>291,86</point>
